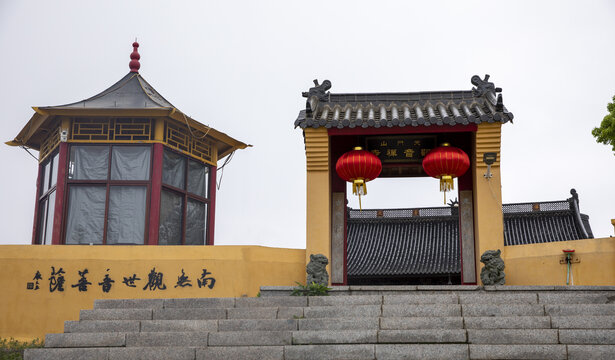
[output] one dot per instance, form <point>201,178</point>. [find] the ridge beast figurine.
<point>317,270</point>
<point>493,271</point>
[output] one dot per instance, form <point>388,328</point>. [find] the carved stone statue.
<point>493,271</point>
<point>317,270</point>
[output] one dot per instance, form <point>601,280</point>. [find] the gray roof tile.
<point>425,241</point>
<point>324,109</point>
<point>130,92</point>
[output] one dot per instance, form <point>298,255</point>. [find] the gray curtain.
<point>173,169</point>
<point>54,170</point>
<point>46,174</point>
<point>89,162</point>
<point>197,178</point>
<point>130,163</point>
<point>171,214</point>
<point>86,214</point>
<point>49,214</point>
<point>195,222</point>
<point>126,218</point>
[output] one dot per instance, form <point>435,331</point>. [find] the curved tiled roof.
<point>437,108</point>
<point>425,241</point>
<point>401,247</point>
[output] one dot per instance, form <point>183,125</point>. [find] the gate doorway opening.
<point>400,237</point>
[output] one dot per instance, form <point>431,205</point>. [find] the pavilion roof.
<point>375,110</point>
<point>132,95</point>
<point>130,92</point>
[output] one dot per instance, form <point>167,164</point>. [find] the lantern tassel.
<point>359,187</point>
<point>446,184</point>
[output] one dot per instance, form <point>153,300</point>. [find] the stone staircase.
<point>362,322</point>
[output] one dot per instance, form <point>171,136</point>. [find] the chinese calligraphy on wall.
<point>60,281</point>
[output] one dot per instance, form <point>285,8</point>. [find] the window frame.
<point>108,183</point>
<point>187,195</point>
<point>43,196</point>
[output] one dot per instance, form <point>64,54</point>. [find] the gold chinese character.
<point>409,153</point>
<point>425,151</point>
<point>383,143</point>
<point>376,152</point>
<point>417,142</point>
<point>400,142</point>
<point>392,152</point>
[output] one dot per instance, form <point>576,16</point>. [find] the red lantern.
<point>446,163</point>
<point>358,167</point>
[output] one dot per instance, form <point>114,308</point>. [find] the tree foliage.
<point>605,134</point>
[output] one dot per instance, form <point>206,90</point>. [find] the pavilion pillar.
<point>488,218</point>
<point>318,202</point>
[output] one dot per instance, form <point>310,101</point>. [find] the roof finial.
<point>134,58</point>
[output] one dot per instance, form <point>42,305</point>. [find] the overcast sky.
<point>240,67</point>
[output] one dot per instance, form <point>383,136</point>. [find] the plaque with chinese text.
<point>400,149</point>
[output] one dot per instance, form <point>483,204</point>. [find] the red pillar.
<point>211,223</point>
<point>154,210</point>
<point>61,195</point>
<point>36,206</point>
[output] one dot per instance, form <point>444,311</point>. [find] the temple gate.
<point>400,128</point>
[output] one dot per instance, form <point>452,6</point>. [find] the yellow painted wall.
<point>318,201</point>
<point>29,313</point>
<point>538,264</point>
<point>488,218</point>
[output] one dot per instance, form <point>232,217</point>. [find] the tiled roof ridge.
<point>330,110</point>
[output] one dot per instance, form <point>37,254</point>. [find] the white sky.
<point>241,67</point>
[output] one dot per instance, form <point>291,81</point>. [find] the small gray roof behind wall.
<point>425,241</point>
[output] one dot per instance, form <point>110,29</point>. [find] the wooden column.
<point>61,195</point>
<point>211,214</point>
<point>318,202</point>
<point>36,205</point>
<point>488,218</point>
<point>338,240</point>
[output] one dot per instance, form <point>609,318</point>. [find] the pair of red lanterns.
<point>444,162</point>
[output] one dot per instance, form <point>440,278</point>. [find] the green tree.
<point>606,132</point>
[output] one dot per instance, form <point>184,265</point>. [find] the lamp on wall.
<point>489,158</point>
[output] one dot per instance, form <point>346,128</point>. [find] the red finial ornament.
<point>134,58</point>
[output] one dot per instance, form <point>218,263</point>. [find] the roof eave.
<point>29,130</point>
<point>221,137</point>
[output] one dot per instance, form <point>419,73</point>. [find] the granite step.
<point>319,352</point>
<point>382,322</point>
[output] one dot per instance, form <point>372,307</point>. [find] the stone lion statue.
<point>317,270</point>
<point>493,271</point>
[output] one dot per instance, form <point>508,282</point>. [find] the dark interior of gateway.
<point>409,246</point>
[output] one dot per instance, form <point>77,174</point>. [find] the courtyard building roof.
<point>425,241</point>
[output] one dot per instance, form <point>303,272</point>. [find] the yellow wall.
<point>28,313</point>
<point>538,264</point>
<point>318,202</point>
<point>488,218</point>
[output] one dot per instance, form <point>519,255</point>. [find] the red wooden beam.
<point>36,207</point>
<point>58,216</point>
<point>211,213</point>
<point>403,130</point>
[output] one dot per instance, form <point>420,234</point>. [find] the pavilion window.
<point>108,191</point>
<point>47,199</point>
<point>184,201</point>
